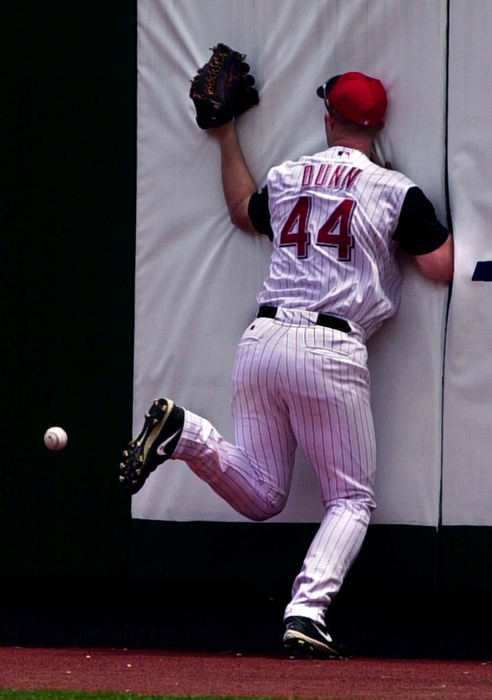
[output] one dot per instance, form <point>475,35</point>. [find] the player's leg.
<point>329,558</point>
<point>254,474</point>
<point>333,423</point>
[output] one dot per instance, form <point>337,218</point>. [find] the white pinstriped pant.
<point>296,383</point>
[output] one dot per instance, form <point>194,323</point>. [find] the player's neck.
<point>358,144</point>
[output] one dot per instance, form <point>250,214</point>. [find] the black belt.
<point>338,324</point>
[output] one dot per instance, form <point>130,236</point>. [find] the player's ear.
<point>331,119</point>
<point>329,124</point>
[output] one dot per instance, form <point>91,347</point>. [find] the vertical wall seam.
<point>446,318</point>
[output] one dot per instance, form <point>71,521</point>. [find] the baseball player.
<point>300,376</point>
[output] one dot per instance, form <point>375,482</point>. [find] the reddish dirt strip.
<point>176,673</point>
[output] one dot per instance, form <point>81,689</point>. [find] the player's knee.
<point>259,517</point>
<point>269,508</point>
<point>358,507</point>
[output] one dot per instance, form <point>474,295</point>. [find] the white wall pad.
<point>197,276</point>
<point>467,473</point>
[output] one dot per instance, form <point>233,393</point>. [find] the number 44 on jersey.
<point>334,232</point>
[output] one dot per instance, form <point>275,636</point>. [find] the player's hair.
<point>355,129</point>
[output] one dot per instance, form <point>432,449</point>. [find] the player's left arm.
<point>421,235</point>
<point>237,181</point>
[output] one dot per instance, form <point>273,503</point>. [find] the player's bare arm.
<point>439,264</point>
<point>237,181</point>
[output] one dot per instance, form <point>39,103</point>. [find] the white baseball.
<point>55,438</point>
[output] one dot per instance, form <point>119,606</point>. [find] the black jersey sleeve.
<point>419,231</point>
<point>259,213</point>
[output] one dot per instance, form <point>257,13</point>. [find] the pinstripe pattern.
<point>364,289</point>
<point>296,383</point>
<point>329,557</point>
<point>299,384</point>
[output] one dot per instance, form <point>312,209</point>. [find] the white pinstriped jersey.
<point>333,215</point>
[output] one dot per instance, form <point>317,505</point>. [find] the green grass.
<point>79,695</point>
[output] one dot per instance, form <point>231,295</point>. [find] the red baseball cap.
<point>356,97</point>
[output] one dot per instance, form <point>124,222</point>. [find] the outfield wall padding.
<point>197,276</point>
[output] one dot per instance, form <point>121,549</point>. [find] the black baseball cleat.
<point>162,428</point>
<point>306,639</point>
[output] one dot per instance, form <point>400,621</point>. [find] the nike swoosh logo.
<point>322,634</point>
<point>162,446</point>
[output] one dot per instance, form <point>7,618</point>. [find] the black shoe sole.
<point>135,466</point>
<point>297,648</point>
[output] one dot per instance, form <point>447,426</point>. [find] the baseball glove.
<point>223,88</point>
